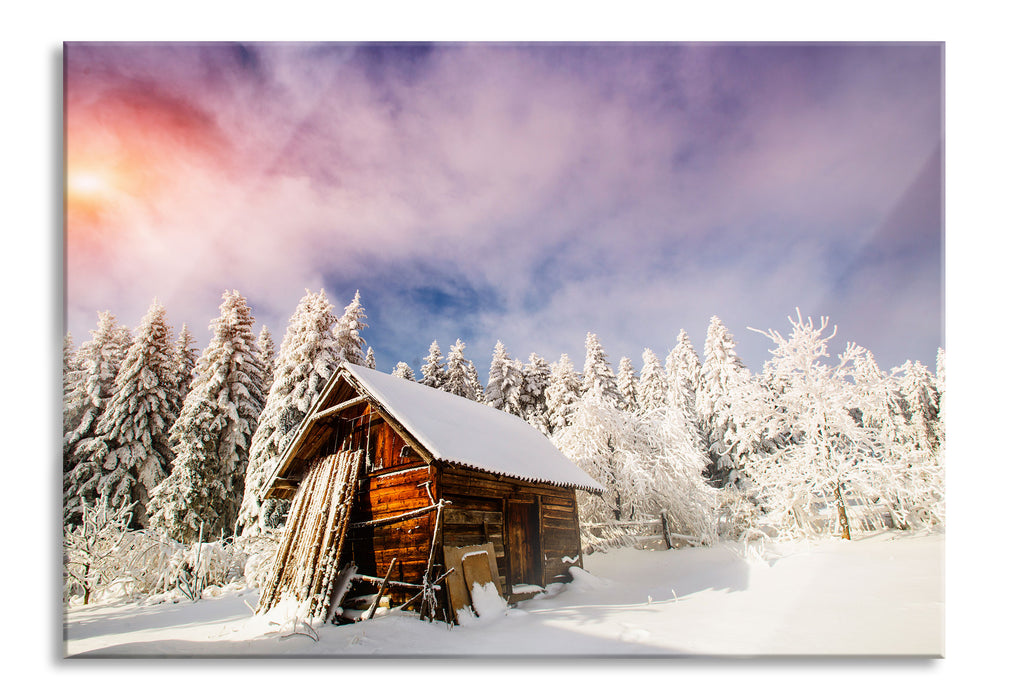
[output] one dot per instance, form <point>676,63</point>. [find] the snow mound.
<point>487,607</point>
<point>582,580</point>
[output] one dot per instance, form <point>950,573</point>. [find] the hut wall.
<point>392,484</point>
<point>483,506</point>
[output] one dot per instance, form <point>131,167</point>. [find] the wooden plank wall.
<point>385,493</point>
<point>479,500</point>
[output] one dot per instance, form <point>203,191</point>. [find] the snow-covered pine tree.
<point>536,379</point>
<point>348,332</point>
<point>474,381</point>
<point>369,359</point>
<point>71,372</point>
<point>601,440</point>
<point>267,355</point>
<point>433,371</point>
<point>878,406</point>
<point>722,376</point>
<point>185,360</point>
<point>909,482</point>
<point>683,371</point>
<point>940,389</point>
<point>653,386</point>
<point>627,385</point>
<point>504,382</point>
<point>457,376</point>
<point>307,359</point>
<point>605,441</point>
<point>91,386</point>
<point>562,393</point>
<point>131,449</point>
<point>69,364</point>
<point>828,454</point>
<point>597,375</point>
<point>921,405</point>
<point>403,371</point>
<point>213,432</point>
<point>940,371</point>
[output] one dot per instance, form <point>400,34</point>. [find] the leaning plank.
<point>309,554</point>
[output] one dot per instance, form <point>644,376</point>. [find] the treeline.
<point>179,437</point>
<point>805,446</point>
<point>716,449</point>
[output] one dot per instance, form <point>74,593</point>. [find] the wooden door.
<point>522,533</point>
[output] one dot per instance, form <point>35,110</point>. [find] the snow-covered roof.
<point>460,431</point>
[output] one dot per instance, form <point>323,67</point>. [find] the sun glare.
<point>87,184</point>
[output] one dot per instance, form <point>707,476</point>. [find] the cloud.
<point>524,193</point>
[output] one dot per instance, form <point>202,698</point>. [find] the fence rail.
<point>663,525</point>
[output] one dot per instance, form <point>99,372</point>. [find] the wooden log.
<point>339,408</point>
<point>396,518</point>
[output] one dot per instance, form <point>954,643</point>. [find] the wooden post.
<point>428,601</point>
<point>381,590</point>
<point>665,530</point>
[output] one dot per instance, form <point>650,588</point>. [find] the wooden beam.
<point>409,515</point>
<point>401,584</point>
<point>337,408</point>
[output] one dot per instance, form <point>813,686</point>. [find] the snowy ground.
<point>881,595</point>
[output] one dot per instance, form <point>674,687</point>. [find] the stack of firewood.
<point>309,553</point>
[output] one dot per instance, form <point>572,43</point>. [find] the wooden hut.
<point>439,472</point>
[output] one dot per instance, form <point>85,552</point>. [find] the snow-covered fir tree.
<point>910,483</point>
<point>131,448</point>
<point>683,372</point>
<point>921,405</point>
<point>940,388</point>
<point>403,371</point>
<point>350,344</point>
<point>369,359</point>
<point>597,375</point>
<point>723,376</point>
<point>474,381</point>
<point>433,370</point>
<point>504,382</point>
<point>71,373</point>
<point>653,385</point>
<point>627,385</point>
<point>267,355</point>
<point>69,363</point>
<point>603,441</point>
<point>308,358</point>
<point>213,432</point>
<point>533,398</point>
<point>458,380</point>
<point>562,393</point>
<point>92,383</point>
<point>878,406</point>
<point>940,371</point>
<point>185,361</point>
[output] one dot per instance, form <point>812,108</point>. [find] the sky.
<point>527,193</point>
